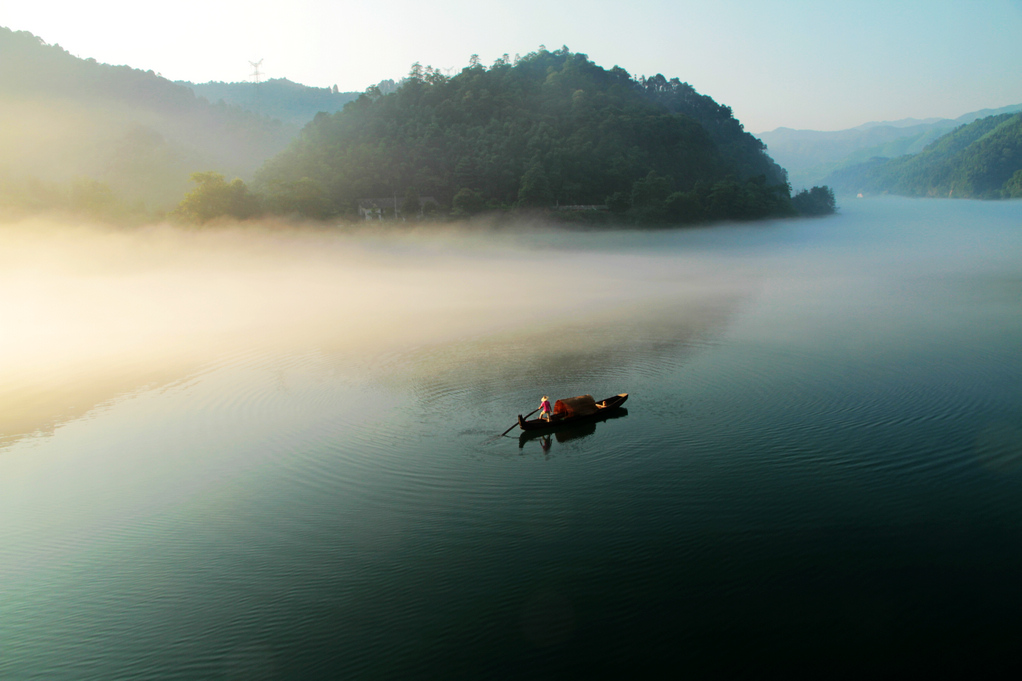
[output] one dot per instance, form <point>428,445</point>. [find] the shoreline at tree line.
<point>650,203</point>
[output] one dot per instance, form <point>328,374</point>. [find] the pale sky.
<point>795,63</point>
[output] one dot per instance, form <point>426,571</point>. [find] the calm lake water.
<point>820,466</point>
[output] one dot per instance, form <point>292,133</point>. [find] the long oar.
<point>526,416</point>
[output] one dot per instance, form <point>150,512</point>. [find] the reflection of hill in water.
<point>40,403</point>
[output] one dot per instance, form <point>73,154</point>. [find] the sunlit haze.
<point>93,313</point>
<point>809,65</point>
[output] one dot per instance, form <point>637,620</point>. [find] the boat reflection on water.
<point>568,432</point>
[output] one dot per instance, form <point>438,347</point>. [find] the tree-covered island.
<point>549,131</point>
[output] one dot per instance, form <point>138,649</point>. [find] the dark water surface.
<point>821,468</point>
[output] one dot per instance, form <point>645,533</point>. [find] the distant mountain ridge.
<point>811,155</point>
<point>292,103</point>
<point>982,159</point>
<point>961,120</point>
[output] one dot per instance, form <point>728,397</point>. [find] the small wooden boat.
<point>570,432</point>
<point>573,410</point>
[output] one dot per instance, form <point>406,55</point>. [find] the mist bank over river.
<point>93,313</point>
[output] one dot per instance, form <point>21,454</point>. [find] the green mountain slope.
<point>551,129</point>
<point>980,160</point>
<point>136,132</point>
<point>811,155</point>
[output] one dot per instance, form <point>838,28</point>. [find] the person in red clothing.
<point>544,408</point>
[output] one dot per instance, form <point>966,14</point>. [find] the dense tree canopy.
<point>215,197</point>
<point>549,129</point>
<point>815,201</point>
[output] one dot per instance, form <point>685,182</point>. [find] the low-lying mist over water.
<point>262,451</point>
<point>92,313</point>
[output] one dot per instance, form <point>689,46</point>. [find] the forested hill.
<point>135,133</point>
<point>289,102</point>
<point>550,129</point>
<point>980,160</point>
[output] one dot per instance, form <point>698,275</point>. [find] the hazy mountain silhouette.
<point>982,159</point>
<point>65,117</point>
<point>292,103</point>
<point>811,155</point>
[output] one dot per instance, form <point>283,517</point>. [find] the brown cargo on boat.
<point>582,405</point>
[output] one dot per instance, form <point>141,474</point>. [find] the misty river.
<point>275,453</point>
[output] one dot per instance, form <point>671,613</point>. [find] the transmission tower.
<point>255,74</point>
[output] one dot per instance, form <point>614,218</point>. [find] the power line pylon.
<point>255,74</point>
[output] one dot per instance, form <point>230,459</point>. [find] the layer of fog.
<point>91,313</point>
<point>142,152</point>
